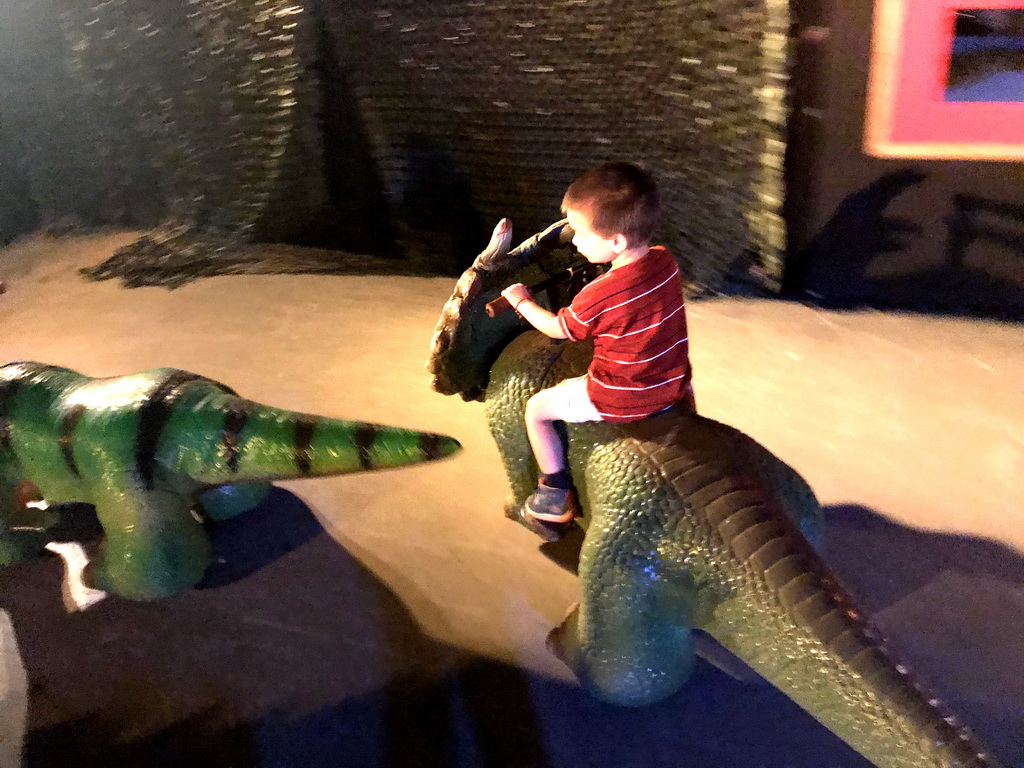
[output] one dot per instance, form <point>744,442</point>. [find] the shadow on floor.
<point>243,545</point>
<point>952,607</point>
<point>882,562</point>
<point>296,656</point>
<point>480,713</point>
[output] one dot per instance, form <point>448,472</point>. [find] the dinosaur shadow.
<point>355,217</point>
<point>952,606</point>
<point>480,712</point>
<point>956,287</point>
<point>310,660</point>
<point>243,545</point>
<point>883,562</point>
<point>186,680</point>
<point>487,713</point>
<point>18,212</point>
<point>206,738</point>
<point>830,271</point>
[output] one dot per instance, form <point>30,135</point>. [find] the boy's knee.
<point>534,405</point>
<point>538,407</point>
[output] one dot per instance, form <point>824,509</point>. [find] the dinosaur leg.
<point>629,640</point>
<point>76,593</point>
<point>152,546</point>
<point>16,544</point>
<point>24,529</point>
<point>227,501</point>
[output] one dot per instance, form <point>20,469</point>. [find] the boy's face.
<point>596,248</point>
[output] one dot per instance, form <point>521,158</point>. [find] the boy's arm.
<point>521,299</point>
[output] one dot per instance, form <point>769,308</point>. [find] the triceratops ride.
<point>688,523</point>
<point>155,453</point>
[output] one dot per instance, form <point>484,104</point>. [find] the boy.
<point>634,313</point>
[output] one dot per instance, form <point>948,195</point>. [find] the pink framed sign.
<point>910,110</point>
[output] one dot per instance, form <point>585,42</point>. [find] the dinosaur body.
<point>691,524</point>
<point>145,448</point>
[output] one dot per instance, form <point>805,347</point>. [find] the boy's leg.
<point>554,500</point>
<point>541,414</point>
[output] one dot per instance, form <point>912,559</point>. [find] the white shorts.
<point>569,399</point>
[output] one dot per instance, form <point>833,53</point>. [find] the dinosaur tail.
<point>221,438</point>
<point>814,644</point>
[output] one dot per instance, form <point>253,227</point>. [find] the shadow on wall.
<point>355,217</point>
<point>18,214</point>
<point>831,270</point>
<point>435,209</point>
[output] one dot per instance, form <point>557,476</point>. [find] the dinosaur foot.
<point>77,595</point>
<point>547,531</point>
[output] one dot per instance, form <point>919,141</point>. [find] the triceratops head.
<point>467,341</point>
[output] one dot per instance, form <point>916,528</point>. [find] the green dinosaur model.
<point>145,448</point>
<point>688,524</point>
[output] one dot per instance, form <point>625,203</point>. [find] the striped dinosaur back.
<point>180,422</point>
<point>145,448</point>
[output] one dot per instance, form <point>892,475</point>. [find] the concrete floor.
<point>397,618</point>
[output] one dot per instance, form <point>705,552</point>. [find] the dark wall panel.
<point>353,123</point>
<point>918,234</point>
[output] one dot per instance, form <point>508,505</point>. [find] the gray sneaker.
<point>553,505</point>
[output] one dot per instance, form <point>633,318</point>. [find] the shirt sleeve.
<point>571,325</point>
<point>580,320</point>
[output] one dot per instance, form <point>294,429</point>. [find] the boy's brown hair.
<point>617,198</point>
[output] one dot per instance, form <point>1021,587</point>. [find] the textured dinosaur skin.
<point>145,448</point>
<point>691,524</point>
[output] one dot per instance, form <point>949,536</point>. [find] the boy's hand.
<point>516,293</point>
<point>544,321</point>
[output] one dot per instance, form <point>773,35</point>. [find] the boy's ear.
<point>619,243</point>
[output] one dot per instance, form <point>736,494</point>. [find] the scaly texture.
<point>692,524</point>
<point>689,523</point>
<point>146,447</point>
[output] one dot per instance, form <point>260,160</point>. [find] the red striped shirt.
<point>636,317</point>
